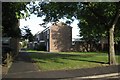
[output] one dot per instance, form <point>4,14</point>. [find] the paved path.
<point>22,64</point>
<point>23,67</point>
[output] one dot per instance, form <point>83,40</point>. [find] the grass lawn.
<point>34,51</point>
<point>69,60</point>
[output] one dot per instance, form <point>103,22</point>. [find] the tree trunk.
<point>112,60</point>
<point>111,57</point>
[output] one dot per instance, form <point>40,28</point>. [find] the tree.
<point>99,17</point>
<point>109,19</point>
<point>11,13</point>
<point>27,34</point>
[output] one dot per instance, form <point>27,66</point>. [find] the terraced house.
<point>56,38</point>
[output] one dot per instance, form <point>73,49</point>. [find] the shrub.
<point>41,47</point>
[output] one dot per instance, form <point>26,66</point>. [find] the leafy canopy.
<point>94,18</point>
<point>11,12</point>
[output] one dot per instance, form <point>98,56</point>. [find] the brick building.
<point>56,38</point>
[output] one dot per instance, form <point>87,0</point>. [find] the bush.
<point>41,47</point>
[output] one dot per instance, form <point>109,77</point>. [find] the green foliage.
<point>54,10</point>
<point>27,34</point>
<point>117,32</point>
<point>11,12</point>
<point>24,44</point>
<point>95,18</point>
<point>41,47</point>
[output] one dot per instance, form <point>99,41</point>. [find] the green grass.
<point>69,60</point>
<point>34,51</point>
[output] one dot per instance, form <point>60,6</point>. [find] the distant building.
<point>56,38</point>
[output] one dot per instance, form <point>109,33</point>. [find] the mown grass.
<point>34,51</point>
<point>69,60</point>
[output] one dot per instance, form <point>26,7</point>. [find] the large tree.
<point>107,17</point>
<point>11,13</point>
<point>99,18</point>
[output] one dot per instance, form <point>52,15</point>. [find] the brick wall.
<point>83,46</point>
<point>60,37</point>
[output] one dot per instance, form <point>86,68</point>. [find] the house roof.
<point>55,23</point>
<point>61,24</point>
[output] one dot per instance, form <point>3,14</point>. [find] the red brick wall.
<point>60,37</point>
<point>84,47</point>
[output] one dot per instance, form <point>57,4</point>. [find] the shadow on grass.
<point>118,53</point>
<point>54,57</point>
<point>88,61</point>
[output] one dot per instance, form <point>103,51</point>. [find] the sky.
<point>34,21</point>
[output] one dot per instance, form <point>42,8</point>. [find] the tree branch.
<point>101,18</point>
